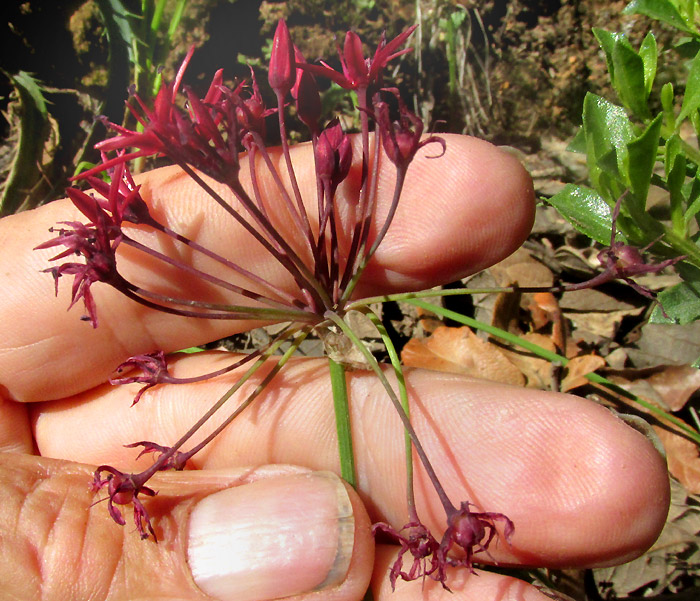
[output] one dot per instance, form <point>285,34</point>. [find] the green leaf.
<point>649,55</point>
<point>661,10</point>
<point>642,157</point>
<point>691,98</point>
<point>585,210</point>
<point>667,98</point>
<point>607,41</point>
<point>681,303</point>
<point>191,350</point>
<point>607,130</point>
<point>687,48</point>
<point>578,143</point>
<point>629,78</point>
<point>675,166</point>
<point>118,23</point>
<point>32,129</point>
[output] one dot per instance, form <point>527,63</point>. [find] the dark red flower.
<point>417,540</point>
<point>205,136</point>
<point>621,261</point>
<point>123,489</point>
<point>282,70</point>
<point>305,93</point>
<point>153,367</point>
<point>333,155</point>
<point>176,461</point>
<point>251,112</point>
<point>359,72</point>
<point>96,243</point>
<point>473,533</point>
<point>402,139</point>
<point>121,197</point>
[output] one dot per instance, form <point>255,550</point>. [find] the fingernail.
<point>273,538</point>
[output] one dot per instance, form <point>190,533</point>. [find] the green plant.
<point>633,146</point>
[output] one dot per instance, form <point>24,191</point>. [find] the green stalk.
<point>376,368</point>
<point>403,396</point>
<point>554,358</point>
<point>342,422</point>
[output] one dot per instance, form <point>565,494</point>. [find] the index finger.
<point>457,215</point>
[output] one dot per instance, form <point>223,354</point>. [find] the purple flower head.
<point>333,155</point>
<point>175,461</point>
<point>96,243</point>
<point>472,533</point>
<point>359,72</point>
<point>402,138</point>
<point>417,540</point>
<point>153,367</point>
<point>123,489</point>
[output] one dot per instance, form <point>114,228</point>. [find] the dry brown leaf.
<point>522,269</point>
<point>459,350</point>
<point>682,457</point>
<point>669,386</point>
<point>676,384</point>
<point>577,369</point>
<point>538,371</point>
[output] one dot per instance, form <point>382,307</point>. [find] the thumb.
<point>256,534</point>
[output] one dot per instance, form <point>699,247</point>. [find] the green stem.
<point>555,358</point>
<point>342,422</point>
<point>374,365</point>
<point>405,296</point>
<point>403,395</point>
<point>682,245</point>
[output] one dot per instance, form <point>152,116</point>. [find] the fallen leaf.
<point>537,371</point>
<point>682,457</point>
<point>523,269</point>
<point>670,386</point>
<point>459,350</point>
<point>666,344</point>
<point>577,369</point>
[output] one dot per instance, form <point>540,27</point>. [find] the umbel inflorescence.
<point>206,137</point>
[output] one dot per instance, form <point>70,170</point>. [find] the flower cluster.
<point>205,138</point>
<point>621,261</point>
<point>472,532</point>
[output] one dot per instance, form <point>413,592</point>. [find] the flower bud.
<point>333,154</point>
<point>282,70</point>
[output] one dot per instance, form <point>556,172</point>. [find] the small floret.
<point>123,489</point>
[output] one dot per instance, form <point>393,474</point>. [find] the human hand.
<point>581,487</point>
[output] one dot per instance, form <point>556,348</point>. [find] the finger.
<point>214,532</point>
<point>15,431</point>
<point>581,487</point>
<point>481,212</point>
<point>463,585</point>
